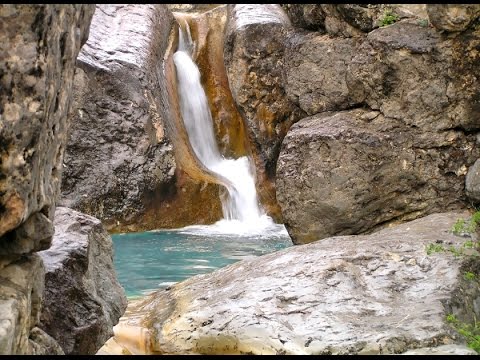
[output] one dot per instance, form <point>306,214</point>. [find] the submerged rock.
<point>372,294</point>
<point>82,298</point>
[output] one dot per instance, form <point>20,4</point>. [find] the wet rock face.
<point>39,46</point>
<point>254,48</point>
<point>369,294</point>
<point>82,298</point>
<point>349,172</point>
<point>118,136</point>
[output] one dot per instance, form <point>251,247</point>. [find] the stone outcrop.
<point>349,172</point>
<point>348,20</point>
<point>38,50</point>
<point>119,164</point>
<point>254,50</point>
<point>417,97</point>
<point>452,17</point>
<point>382,293</point>
<point>82,298</point>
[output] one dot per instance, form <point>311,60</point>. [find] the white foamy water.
<point>242,212</point>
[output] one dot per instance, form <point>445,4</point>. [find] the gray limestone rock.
<point>82,299</point>
<point>117,161</point>
<point>371,294</point>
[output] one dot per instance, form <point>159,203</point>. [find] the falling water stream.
<point>241,209</point>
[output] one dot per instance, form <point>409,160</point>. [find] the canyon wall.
<point>39,46</point>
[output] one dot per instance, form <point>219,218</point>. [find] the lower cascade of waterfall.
<point>241,210</point>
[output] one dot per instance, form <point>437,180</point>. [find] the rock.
<point>404,70</point>
<point>442,350</point>
<point>119,161</point>
<point>21,288</point>
<point>254,48</point>
<point>315,68</point>
<point>340,173</point>
<point>39,46</point>
<point>376,294</point>
<point>348,20</point>
<point>472,182</point>
<point>82,299</point>
<point>452,17</point>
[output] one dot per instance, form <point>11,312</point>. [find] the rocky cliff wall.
<point>414,137</point>
<point>39,47</point>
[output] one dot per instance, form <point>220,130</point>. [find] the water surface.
<point>156,259</point>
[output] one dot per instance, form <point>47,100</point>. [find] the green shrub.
<point>389,17</point>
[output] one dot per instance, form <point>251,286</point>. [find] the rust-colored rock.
<point>255,43</point>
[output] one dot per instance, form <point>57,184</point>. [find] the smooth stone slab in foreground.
<point>371,294</point>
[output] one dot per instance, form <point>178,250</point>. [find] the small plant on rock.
<point>389,17</point>
<point>469,275</point>
<point>434,248</point>
<point>470,332</point>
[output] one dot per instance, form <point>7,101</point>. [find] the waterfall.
<point>241,209</point>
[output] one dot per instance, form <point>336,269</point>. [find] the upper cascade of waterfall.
<point>241,209</point>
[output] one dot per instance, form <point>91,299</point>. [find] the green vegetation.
<point>469,275</point>
<point>434,248</point>
<point>470,332</point>
<point>465,227</point>
<point>389,17</point>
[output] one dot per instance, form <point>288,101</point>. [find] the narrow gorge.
<point>239,179</point>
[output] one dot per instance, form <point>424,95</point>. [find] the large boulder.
<point>119,161</point>
<point>255,42</point>
<point>472,182</point>
<point>382,293</point>
<point>82,298</point>
<point>350,172</point>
